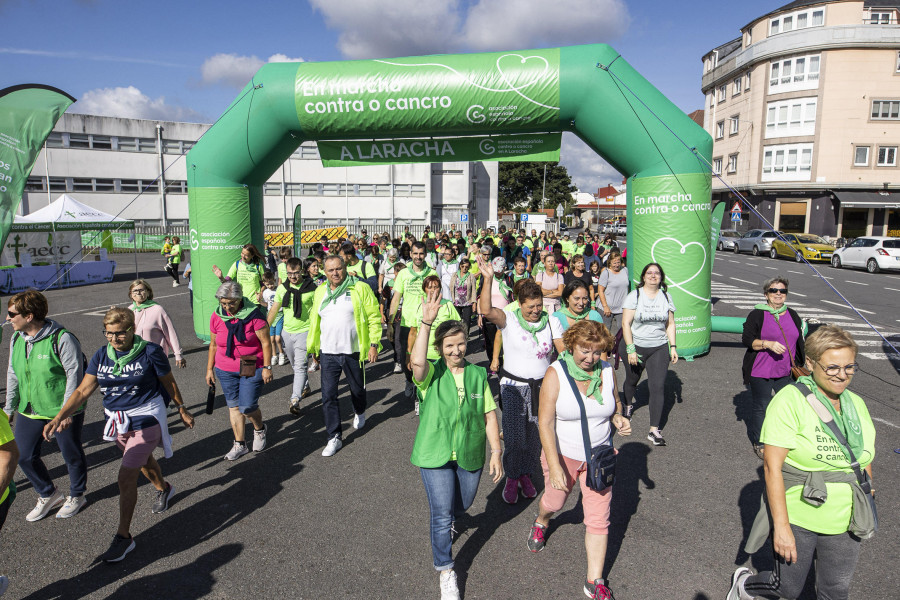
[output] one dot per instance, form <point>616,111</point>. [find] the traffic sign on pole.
<point>560,210</point>
<point>737,207</point>
<point>523,217</point>
<point>736,217</point>
<point>464,218</point>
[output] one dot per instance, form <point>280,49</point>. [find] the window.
<point>720,130</point>
<point>176,187</point>
<point>886,109</point>
<point>861,156</point>
<point>733,125</point>
<point>79,140</point>
<point>732,163</point>
<point>736,86</point>
<point>797,20</point>
<point>149,186</point>
<point>146,145</point>
<point>791,117</point>
<point>793,74</point>
<point>383,189</point>
<point>55,140</point>
<point>887,156</point>
<point>723,90</point>
<point>82,185</point>
<point>788,162</point>
<point>101,142</point>
<point>717,165</point>
<point>58,184</point>
<point>35,184</point>
<point>127,144</point>
<point>271,188</point>
<point>129,186</point>
<point>104,185</point>
<point>882,18</point>
<point>747,87</point>
<point>307,151</point>
<point>898,63</point>
<point>331,189</point>
<point>172,146</point>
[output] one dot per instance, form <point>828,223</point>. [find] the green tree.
<point>520,185</point>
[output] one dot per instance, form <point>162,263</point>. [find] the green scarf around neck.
<point>565,310</point>
<point>136,348</point>
<point>501,283</point>
<point>776,312</point>
<point>595,377</point>
<point>139,307</point>
<point>332,295</point>
<point>425,272</point>
<point>247,307</point>
<point>532,328</point>
<point>847,421</point>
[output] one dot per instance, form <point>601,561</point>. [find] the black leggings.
<point>656,361</point>
<point>172,269</point>
<point>465,315</point>
<point>490,334</point>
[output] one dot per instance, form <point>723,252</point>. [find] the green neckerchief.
<point>332,295</point>
<point>847,421</point>
<point>136,348</point>
<point>538,268</point>
<point>447,263</point>
<point>425,272</point>
<point>517,277</point>
<point>247,307</point>
<point>532,328</point>
<point>565,310</point>
<point>774,311</point>
<point>501,283</point>
<point>578,374</point>
<point>139,307</point>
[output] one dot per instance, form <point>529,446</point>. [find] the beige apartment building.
<point>804,111</point>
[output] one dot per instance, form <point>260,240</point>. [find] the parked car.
<point>621,229</point>
<point>755,241</point>
<point>874,253</point>
<point>802,245</point>
<point>726,240</point>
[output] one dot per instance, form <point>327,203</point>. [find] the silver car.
<point>755,241</point>
<point>726,240</point>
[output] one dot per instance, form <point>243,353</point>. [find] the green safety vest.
<point>446,426</point>
<point>41,376</point>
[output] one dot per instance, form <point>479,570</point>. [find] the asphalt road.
<point>288,523</point>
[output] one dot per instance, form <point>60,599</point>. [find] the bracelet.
<point>630,349</point>
<point>429,324</point>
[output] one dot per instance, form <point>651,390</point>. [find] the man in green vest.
<point>344,329</point>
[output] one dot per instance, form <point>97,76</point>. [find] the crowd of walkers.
<point>554,316</point>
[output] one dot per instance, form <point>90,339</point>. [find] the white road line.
<point>105,307</point>
<point>892,289</point>
<point>797,272</point>
<point>868,312</point>
<point>742,280</point>
<point>857,283</point>
<point>880,356</point>
<point>885,422</point>
<point>772,268</point>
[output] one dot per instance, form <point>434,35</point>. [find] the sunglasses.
<point>12,314</point>
<point>777,290</point>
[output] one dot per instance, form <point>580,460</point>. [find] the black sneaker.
<point>598,590</point>
<point>657,438</point>
<point>537,539</point>
<point>162,499</point>
<point>118,549</point>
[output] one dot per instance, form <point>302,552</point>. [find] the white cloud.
<point>413,27</point>
<point>234,70</point>
<point>587,169</point>
<point>130,102</point>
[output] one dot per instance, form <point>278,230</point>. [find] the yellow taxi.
<point>802,245</point>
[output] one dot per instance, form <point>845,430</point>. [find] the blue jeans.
<point>332,367</point>
<point>241,392</point>
<point>451,491</point>
<point>30,438</point>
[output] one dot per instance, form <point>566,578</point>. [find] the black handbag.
<point>601,468</point>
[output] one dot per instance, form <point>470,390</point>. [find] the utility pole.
<point>544,190</point>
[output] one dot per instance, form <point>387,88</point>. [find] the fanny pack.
<point>601,463</point>
<point>248,365</point>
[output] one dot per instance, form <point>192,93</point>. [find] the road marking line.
<point>857,282</point>
<point>885,422</point>
<point>105,307</point>
<point>742,280</point>
<point>798,294</point>
<point>868,312</point>
<point>772,268</point>
<point>892,289</point>
<point>797,272</point>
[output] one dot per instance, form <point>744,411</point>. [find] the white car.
<point>872,252</point>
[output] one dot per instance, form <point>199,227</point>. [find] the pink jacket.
<point>154,325</point>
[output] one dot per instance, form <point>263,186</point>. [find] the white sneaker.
<point>259,439</point>
<point>237,451</point>
<point>398,368</point>
<point>174,284</point>
<point>274,359</point>
<point>45,505</point>
<point>359,420</point>
<point>333,445</point>
<point>72,507</point>
<point>313,367</point>
<point>737,584</point>
<point>449,588</point>
<point>282,359</point>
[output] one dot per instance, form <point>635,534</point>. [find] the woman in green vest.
<point>456,418</point>
<point>247,271</point>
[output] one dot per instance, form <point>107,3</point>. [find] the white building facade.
<point>136,169</point>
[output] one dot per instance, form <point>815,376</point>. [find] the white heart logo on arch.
<point>683,249</point>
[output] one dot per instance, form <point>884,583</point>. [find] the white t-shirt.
<point>521,356</point>
<point>569,439</point>
<point>650,317</point>
<point>269,297</point>
<point>388,271</point>
<point>446,272</point>
<point>338,327</point>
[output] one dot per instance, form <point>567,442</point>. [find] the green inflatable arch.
<point>588,90</point>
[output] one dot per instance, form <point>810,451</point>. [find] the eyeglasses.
<point>120,335</point>
<point>138,291</point>
<point>832,370</point>
<point>292,273</point>
<point>10,314</point>
<point>777,290</point>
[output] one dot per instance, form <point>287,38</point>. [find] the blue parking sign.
<point>464,218</point>
<point>524,217</point>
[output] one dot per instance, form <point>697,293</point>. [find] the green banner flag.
<point>528,148</point>
<point>298,229</point>
<point>715,226</point>
<point>28,114</point>
<point>470,93</point>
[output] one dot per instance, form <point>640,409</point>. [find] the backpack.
<point>259,270</point>
<point>372,280</point>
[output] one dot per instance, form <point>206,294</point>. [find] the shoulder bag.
<point>601,463</point>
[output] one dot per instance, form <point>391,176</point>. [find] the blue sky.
<point>187,60</point>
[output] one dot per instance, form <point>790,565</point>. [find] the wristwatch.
<point>373,346</point>
<point>268,367</point>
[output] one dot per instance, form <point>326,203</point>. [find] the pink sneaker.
<point>528,490</point>
<point>511,491</point>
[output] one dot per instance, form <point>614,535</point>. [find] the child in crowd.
<point>271,285</point>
